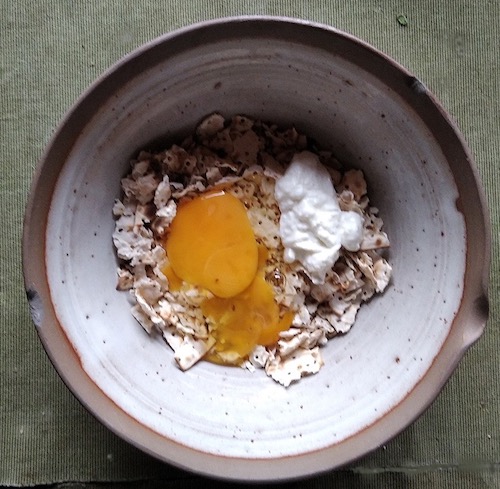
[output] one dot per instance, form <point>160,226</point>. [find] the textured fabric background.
<point>52,50</point>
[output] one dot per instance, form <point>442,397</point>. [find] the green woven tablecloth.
<point>52,50</point>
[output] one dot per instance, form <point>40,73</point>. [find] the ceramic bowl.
<point>375,115</point>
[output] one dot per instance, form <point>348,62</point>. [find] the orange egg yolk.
<point>211,244</point>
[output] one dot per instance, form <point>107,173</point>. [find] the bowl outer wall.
<point>468,324</point>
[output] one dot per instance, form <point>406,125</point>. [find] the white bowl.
<point>223,421</point>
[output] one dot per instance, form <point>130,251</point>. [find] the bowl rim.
<point>67,362</point>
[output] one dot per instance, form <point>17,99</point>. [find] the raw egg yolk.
<point>211,244</point>
<point>248,319</point>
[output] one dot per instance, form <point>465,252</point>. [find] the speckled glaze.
<point>227,422</point>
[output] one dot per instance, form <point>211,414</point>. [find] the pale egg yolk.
<point>248,319</point>
<point>211,244</point>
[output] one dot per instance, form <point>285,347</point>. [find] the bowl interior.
<point>349,98</point>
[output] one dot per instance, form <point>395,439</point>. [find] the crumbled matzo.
<point>246,157</point>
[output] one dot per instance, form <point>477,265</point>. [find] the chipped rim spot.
<point>416,85</point>
<point>36,307</point>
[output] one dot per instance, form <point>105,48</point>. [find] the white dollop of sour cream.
<point>313,228</point>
